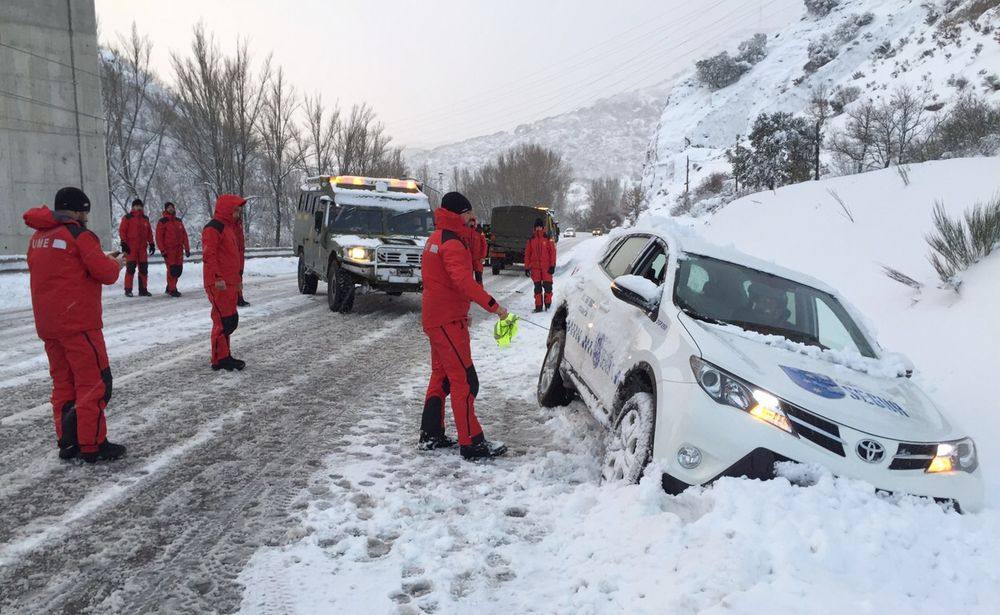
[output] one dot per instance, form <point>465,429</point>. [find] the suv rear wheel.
<point>339,289</point>
<point>630,443</point>
<point>307,281</point>
<point>552,391</point>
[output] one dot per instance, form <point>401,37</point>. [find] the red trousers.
<point>543,283</point>
<point>225,319</point>
<point>81,383</point>
<point>452,372</point>
<point>133,262</point>
<point>175,267</point>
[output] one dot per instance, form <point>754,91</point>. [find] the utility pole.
<point>736,176</point>
<point>687,172</point>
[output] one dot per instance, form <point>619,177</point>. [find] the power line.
<point>640,60</point>
<point>45,103</point>
<point>48,59</point>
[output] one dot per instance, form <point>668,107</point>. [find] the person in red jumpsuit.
<point>136,237</point>
<point>540,264</point>
<point>172,241</point>
<point>67,269</point>
<point>449,289</point>
<point>477,246</point>
<point>241,236</point>
<point>222,262</point>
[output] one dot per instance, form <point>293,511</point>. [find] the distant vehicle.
<point>597,232</point>
<point>569,232</point>
<point>711,363</point>
<point>360,233</point>
<point>510,229</point>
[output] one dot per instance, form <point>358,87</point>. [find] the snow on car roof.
<point>392,200</point>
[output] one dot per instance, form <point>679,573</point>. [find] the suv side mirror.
<point>318,220</point>
<point>902,362</point>
<point>638,291</point>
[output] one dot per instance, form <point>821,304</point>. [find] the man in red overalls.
<point>172,240</point>
<point>449,288</point>
<point>67,269</point>
<point>222,261</point>
<point>477,246</point>
<point>540,264</point>
<point>136,237</point>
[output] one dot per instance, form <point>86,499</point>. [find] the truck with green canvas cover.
<point>360,234</point>
<point>510,229</point>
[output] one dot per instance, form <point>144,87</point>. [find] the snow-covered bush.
<point>820,8</point>
<point>723,70</point>
<point>821,52</point>
<point>848,30</point>
<point>972,127</point>
<point>842,97</point>
<point>956,246</point>
<point>781,152</point>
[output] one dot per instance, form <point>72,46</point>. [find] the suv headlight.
<point>951,456</point>
<point>729,390</point>
<point>359,254</point>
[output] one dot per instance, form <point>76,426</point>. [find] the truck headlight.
<point>729,390</point>
<point>358,254</point>
<point>959,455</point>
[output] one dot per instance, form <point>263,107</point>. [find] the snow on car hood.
<point>367,241</point>
<point>890,407</point>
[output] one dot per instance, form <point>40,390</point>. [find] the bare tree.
<point>605,196</point>
<point>220,100</point>
<point>886,128</point>
<point>320,139</point>
<point>137,110</point>
<point>854,145</point>
<point>910,122</point>
<point>525,175</point>
<point>362,145</point>
<point>818,113</point>
<point>633,201</point>
<point>280,154</point>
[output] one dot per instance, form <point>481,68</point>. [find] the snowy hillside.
<point>950,337</point>
<point>606,138</point>
<point>880,46</point>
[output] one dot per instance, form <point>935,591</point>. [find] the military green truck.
<point>360,234</point>
<point>510,229</point>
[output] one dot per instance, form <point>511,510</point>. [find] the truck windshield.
<point>721,292</point>
<point>361,220</point>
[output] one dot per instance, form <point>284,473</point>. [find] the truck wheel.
<point>552,390</point>
<point>307,281</point>
<point>339,288</point>
<point>630,443</point>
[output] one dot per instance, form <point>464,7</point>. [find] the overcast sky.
<point>438,71</point>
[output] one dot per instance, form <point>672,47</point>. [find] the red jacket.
<point>171,236</point>
<point>540,253</point>
<point>477,246</point>
<point>449,287</point>
<point>135,232</point>
<point>67,269</point>
<point>222,258</point>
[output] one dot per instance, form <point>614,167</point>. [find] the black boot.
<point>106,451</point>
<point>483,449</point>
<point>538,309</point>
<point>236,363</point>
<point>128,292</point>
<point>68,447</point>
<point>145,293</point>
<point>68,452</point>
<point>241,302</point>
<point>430,442</point>
<point>229,364</point>
<point>174,293</point>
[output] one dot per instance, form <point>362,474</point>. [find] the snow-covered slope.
<point>606,138</point>
<point>950,337</point>
<point>897,48</point>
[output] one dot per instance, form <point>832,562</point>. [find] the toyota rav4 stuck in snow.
<point>712,363</point>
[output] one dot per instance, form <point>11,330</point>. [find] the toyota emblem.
<point>870,451</point>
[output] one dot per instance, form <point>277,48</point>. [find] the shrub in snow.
<point>848,30</point>
<point>820,8</point>
<point>956,246</point>
<point>842,97</point>
<point>821,52</point>
<point>972,127</point>
<point>781,152</point>
<point>723,70</point>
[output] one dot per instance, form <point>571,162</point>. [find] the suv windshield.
<point>364,220</point>
<point>726,293</point>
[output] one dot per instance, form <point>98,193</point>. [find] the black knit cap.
<point>456,203</point>
<point>539,223</point>
<point>71,199</point>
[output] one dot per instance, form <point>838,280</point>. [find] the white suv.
<point>713,363</point>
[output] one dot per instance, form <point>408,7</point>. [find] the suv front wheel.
<point>307,281</point>
<point>630,443</point>
<point>339,289</point>
<point>552,391</point>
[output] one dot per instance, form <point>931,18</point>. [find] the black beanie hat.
<point>539,223</point>
<point>71,199</point>
<point>456,203</point>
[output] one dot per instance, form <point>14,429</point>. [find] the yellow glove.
<point>505,330</point>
